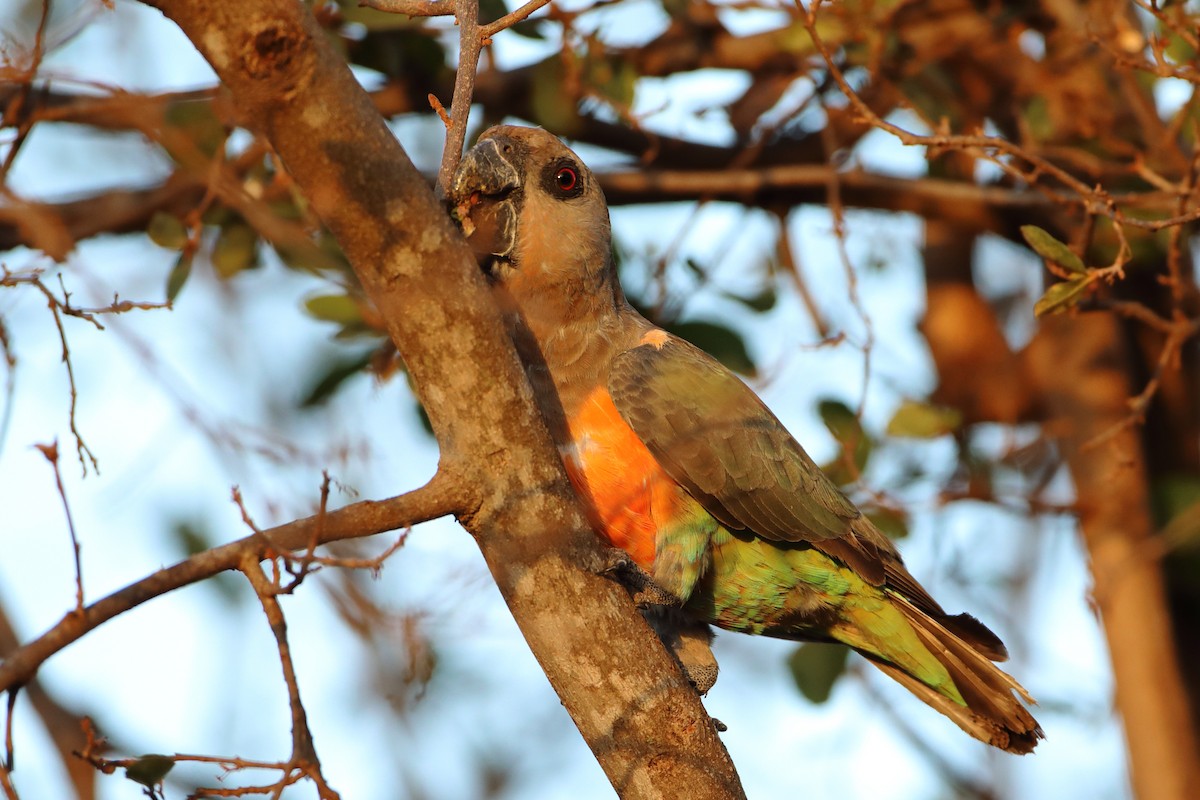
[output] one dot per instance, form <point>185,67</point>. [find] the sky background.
<point>181,405</point>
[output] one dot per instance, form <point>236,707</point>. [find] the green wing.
<point>720,442</point>
<point>716,438</point>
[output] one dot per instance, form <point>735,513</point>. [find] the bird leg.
<point>689,643</point>
<point>617,565</point>
<point>687,640</point>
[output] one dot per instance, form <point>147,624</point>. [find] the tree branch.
<point>637,712</point>
<point>439,497</point>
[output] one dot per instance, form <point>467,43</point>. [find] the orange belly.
<point>626,492</point>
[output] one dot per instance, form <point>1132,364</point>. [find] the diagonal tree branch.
<point>439,497</point>
<point>639,715</point>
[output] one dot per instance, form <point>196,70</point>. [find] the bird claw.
<point>645,593</point>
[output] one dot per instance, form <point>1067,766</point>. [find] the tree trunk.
<point>1081,366</point>
<point>642,720</point>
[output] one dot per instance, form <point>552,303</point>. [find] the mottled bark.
<point>642,720</point>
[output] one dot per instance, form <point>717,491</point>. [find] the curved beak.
<point>484,193</point>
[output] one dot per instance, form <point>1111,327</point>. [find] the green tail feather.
<point>800,593</point>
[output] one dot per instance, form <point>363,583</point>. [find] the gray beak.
<point>484,193</point>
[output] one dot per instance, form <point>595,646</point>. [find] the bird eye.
<point>566,179</point>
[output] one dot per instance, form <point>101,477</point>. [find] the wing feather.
<point>724,446</point>
<point>716,438</point>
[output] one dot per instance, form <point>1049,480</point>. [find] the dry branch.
<point>436,499</point>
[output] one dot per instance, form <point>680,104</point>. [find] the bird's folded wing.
<point>723,445</point>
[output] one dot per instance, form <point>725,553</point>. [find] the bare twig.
<point>50,451</point>
<point>412,8</point>
<point>786,255</point>
<point>441,496</point>
<point>10,790</point>
<point>10,382</point>
<point>304,754</point>
<point>1019,162</point>
<point>838,211</point>
<point>440,110</point>
<point>510,19</point>
<point>59,309</point>
<point>9,756</point>
<point>469,44</point>
<point>297,567</point>
<point>1179,332</point>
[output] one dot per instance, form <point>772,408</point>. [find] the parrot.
<point>686,472</point>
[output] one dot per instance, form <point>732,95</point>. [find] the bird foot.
<point>644,591</point>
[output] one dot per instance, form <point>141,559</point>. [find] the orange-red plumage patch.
<point>627,493</point>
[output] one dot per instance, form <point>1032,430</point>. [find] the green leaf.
<point>762,302</point>
<point>149,770</point>
<point>720,342</point>
<point>845,427</point>
<point>333,376</point>
<point>613,78</point>
<point>1052,249</point>
<point>923,420</point>
<point>339,308</point>
<point>198,121</point>
<point>816,667</point>
<point>1038,119</point>
<point>1183,531</point>
<point>167,230</point>
<point>1177,508</point>
<point>1060,296</point>
<point>552,106</point>
<point>190,538</point>
<point>179,275</point>
<point>841,421</point>
<point>323,255</point>
<point>236,249</point>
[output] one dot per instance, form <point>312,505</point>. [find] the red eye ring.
<point>566,179</point>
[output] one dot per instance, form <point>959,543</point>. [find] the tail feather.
<point>992,713</point>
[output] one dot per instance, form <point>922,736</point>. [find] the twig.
<point>786,256</point>
<point>50,451</point>
<point>10,791</point>
<point>441,496</point>
<point>440,109</point>
<point>472,38</point>
<point>10,382</point>
<point>59,309</point>
<point>412,8</point>
<point>469,45</point>
<point>94,746</point>
<point>1179,333</point>
<point>304,754</point>
<point>1094,200</point>
<point>510,19</point>
<point>838,211</point>
<point>297,567</point>
<point>375,564</point>
<point>9,756</point>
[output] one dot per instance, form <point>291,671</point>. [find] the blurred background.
<point>880,296</point>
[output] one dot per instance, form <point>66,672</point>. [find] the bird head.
<point>532,212</point>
